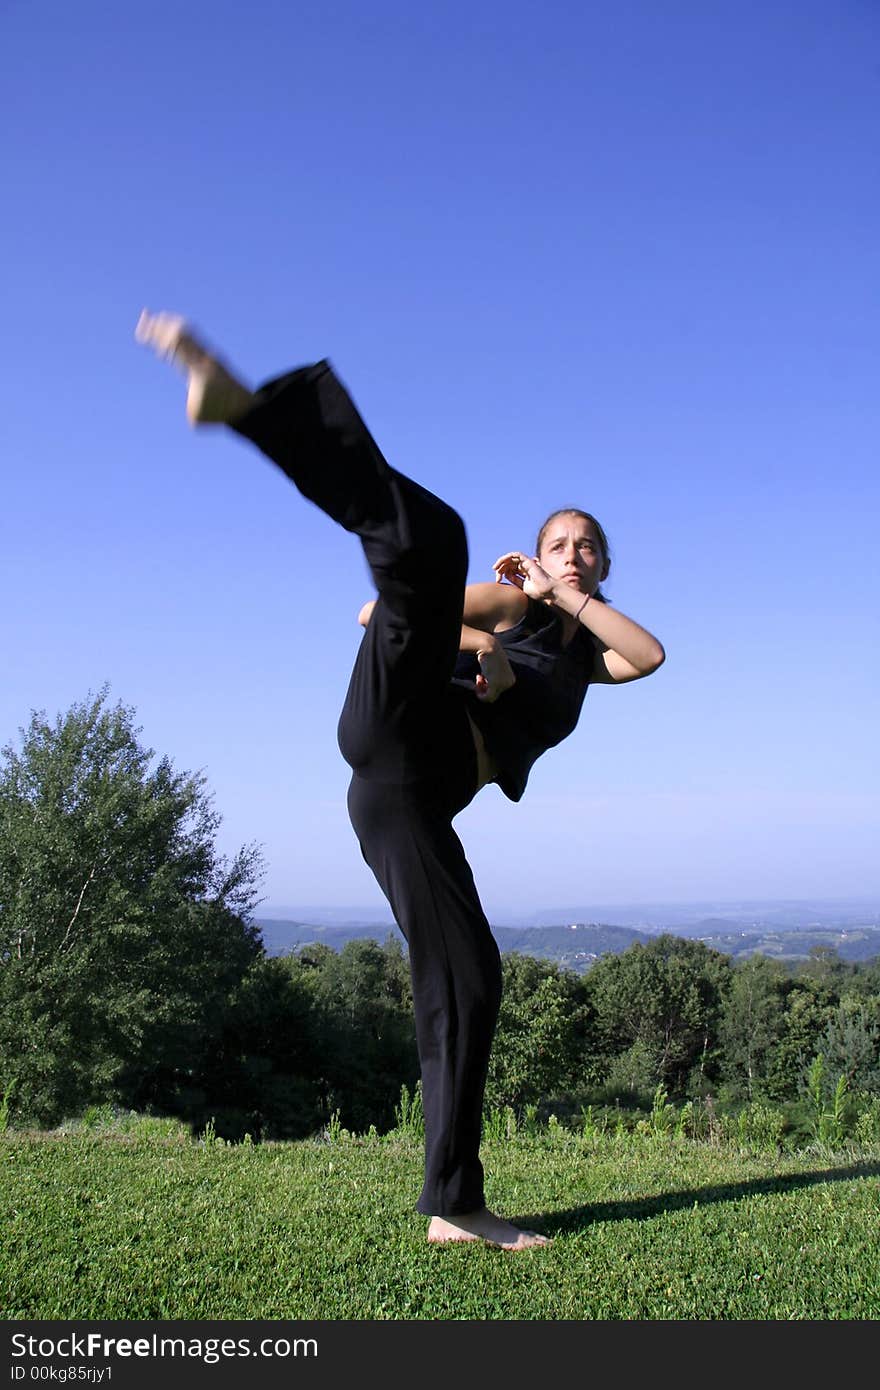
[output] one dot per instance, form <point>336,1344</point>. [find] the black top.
<point>543,707</point>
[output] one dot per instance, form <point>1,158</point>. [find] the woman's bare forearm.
<point>475,640</point>
<point>613,629</point>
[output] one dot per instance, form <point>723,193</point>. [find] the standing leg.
<point>408,842</point>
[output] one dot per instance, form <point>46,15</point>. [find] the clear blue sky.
<point>623,256</point>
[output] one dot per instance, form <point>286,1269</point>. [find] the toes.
<point>163,332</point>
<point>526,1239</point>
<point>142,327</point>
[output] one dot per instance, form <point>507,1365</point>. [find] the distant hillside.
<point>858,945</point>
<point>715,919</point>
<point>579,945</point>
<point>575,947</point>
<point>280,937</point>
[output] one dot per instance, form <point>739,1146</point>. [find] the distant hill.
<point>699,918</point>
<point>704,919</point>
<point>280,937</point>
<point>857,945</point>
<point>575,947</point>
<point>579,944</point>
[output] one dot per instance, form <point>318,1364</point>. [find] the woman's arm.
<point>493,607</point>
<point>625,650</point>
<point>488,608</point>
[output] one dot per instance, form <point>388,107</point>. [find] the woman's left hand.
<point>525,572</point>
<point>495,675</point>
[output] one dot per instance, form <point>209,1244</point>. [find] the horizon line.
<point>361,910</point>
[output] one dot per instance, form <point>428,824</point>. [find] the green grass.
<point>148,1225</point>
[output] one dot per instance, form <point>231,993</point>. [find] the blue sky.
<point>625,257</point>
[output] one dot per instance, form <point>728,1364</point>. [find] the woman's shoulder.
<point>494,607</point>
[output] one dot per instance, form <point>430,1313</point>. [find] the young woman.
<point>454,686</point>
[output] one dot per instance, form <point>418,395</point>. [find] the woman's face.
<point>571,551</point>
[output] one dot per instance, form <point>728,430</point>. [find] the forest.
<point>134,976</point>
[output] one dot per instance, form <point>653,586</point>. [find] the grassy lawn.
<point>152,1225</point>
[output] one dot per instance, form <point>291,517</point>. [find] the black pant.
<point>406,736</point>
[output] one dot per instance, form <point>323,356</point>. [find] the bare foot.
<point>483,1225</point>
<point>214,395</point>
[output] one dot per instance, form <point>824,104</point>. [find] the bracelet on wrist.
<point>582,607</point>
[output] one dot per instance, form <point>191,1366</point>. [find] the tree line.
<point>133,974</point>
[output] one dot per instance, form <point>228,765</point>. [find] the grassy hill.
<point>149,1224</point>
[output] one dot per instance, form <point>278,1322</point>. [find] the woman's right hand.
<point>526,573</point>
<point>495,675</point>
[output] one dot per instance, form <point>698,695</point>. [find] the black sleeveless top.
<point>543,707</point>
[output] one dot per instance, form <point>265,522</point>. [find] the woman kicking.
<point>454,686</point>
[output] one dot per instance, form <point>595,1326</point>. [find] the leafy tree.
<point>540,1040</point>
<point>809,1008</point>
<point>265,1074</point>
<point>122,930</point>
<point>864,979</point>
<point>752,1023</point>
<point>824,964</point>
<point>851,1044</point>
<point>666,996</point>
<point>369,1046</point>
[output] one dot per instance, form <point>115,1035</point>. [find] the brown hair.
<point>597,526</point>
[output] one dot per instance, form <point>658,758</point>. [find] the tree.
<point>537,1054</point>
<point>752,1022</point>
<point>660,1003</point>
<point>265,1074</point>
<point>364,996</point>
<point>809,1008</point>
<point>823,964</point>
<point>851,1045</point>
<point>122,930</point>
